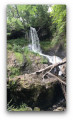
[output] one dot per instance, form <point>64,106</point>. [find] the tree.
<point>58,15</point>
<point>24,16</point>
<point>59,18</point>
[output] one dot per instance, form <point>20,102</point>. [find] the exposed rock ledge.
<point>35,91</point>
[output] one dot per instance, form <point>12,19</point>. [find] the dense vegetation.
<point>50,23</point>
<point>51,26</point>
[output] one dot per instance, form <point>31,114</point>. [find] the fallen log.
<point>63,83</point>
<point>59,79</point>
<point>49,68</point>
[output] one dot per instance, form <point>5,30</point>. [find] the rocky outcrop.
<point>38,90</point>
<point>57,50</point>
<point>34,91</point>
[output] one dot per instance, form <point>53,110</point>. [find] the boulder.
<point>34,91</point>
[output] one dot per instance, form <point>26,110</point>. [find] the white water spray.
<point>35,40</point>
<point>35,47</point>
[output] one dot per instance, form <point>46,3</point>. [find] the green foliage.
<point>23,16</point>
<point>9,107</point>
<point>41,10</point>
<point>13,21</point>
<point>19,42</point>
<point>14,71</point>
<point>44,60</point>
<point>26,51</point>
<point>18,16</point>
<point>58,27</point>
<point>9,46</point>
<point>55,40</point>
<point>22,107</point>
<point>36,109</point>
<point>19,57</point>
<point>45,45</point>
<point>12,85</point>
<point>17,48</point>
<point>59,16</point>
<point>27,54</point>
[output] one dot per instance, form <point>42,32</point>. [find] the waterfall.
<point>35,40</point>
<point>35,47</point>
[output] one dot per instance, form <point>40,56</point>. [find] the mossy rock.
<point>36,109</point>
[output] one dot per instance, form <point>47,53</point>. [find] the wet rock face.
<point>60,51</point>
<point>57,50</point>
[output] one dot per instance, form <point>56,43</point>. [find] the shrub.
<point>19,57</point>
<point>9,47</point>
<point>44,60</point>
<point>14,71</point>
<point>17,48</point>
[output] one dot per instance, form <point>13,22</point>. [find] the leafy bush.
<point>19,42</point>
<point>9,47</point>
<point>17,48</point>
<point>44,60</point>
<point>19,57</point>
<point>45,45</point>
<point>14,71</point>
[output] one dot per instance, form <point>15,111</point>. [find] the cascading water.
<point>35,47</point>
<point>35,40</point>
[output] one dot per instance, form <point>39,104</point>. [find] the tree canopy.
<point>59,17</point>
<point>52,23</point>
<point>26,15</point>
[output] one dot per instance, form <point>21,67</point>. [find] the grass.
<point>28,54</point>
<point>14,71</point>
<point>55,41</point>
<point>20,41</point>
<point>45,45</point>
<point>44,60</point>
<point>26,51</point>
<point>17,45</point>
<point>19,57</point>
<point>9,46</point>
<point>22,107</point>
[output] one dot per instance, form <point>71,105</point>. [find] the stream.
<point>35,47</point>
